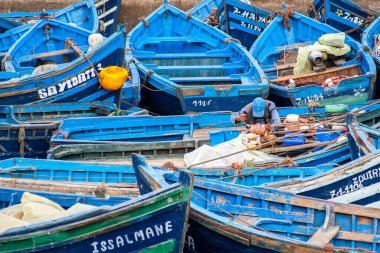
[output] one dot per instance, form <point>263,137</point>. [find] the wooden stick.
<point>294,148</point>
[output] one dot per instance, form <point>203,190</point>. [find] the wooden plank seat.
<point>281,67</point>
<point>319,77</point>
<point>195,67</point>
<point>206,79</point>
<point>158,40</point>
<point>147,55</point>
<point>289,47</point>
<point>257,221</point>
<point>31,57</point>
<point>324,236</point>
<point>291,216</point>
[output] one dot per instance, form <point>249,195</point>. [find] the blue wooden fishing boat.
<point>107,13</point>
<point>15,114</point>
<point>243,21</point>
<point>154,222</point>
<point>70,77</point>
<point>119,179</point>
<point>25,131</point>
<point>347,16</point>
<point>370,40</point>
<point>90,178</point>
<point>82,14</point>
<point>192,66</point>
<point>137,129</point>
<point>248,219</point>
<point>339,182</point>
<point>334,154</point>
<point>203,9</point>
<point>121,152</point>
<point>277,52</point>
<point>95,149</point>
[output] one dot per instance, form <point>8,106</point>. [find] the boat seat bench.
<point>192,67</point>
<point>281,49</point>
<point>205,79</point>
<point>47,54</point>
<point>158,40</point>
<point>184,55</point>
<point>290,216</point>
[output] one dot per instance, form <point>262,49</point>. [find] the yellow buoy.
<point>112,77</point>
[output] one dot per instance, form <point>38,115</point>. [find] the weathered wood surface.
<point>112,189</point>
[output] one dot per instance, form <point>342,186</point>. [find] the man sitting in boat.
<point>213,19</point>
<point>259,112</point>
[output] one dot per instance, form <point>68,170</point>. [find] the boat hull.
<point>199,69</point>
<point>353,91</point>
<point>155,222</point>
<point>278,42</point>
<point>76,82</point>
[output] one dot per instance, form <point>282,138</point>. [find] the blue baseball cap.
<point>258,107</point>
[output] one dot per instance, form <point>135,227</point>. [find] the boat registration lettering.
<point>251,26</point>
<point>67,84</point>
<point>122,241</point>
<point>250,15</point>
<point>308,99</point>
<point>349,16</point>
<point>203,103</point>
<point>356,183</point>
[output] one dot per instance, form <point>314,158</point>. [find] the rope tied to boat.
<point>21,140</point>
<point>269,17</point>
<point>102,26</point>
<point>188,15</point>
<point>314,10</point>
<point>71,44</point>
<point>146,23</point>
<point>228,40</point>
<point>65,135</point>
<point>101,191</point>
<point>132,60</point>
<point>286,16</point>
<point>166,8</point>
<point>147,75</point>
<point>145,82</point>
<point>367,49</point>
<point>367,21</point>
<point>169,166</point>
<point>5,58</point>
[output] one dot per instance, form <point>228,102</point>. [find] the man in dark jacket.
<point>259,112</point>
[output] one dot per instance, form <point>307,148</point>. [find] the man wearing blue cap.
<point>259,112</point>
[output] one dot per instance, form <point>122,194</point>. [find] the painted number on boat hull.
<point>306,100</point>
<point>356,183</point>
<point>349,16</point>
<point>69,83</point>
<point>203,103</point>
<point>251,16</point>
